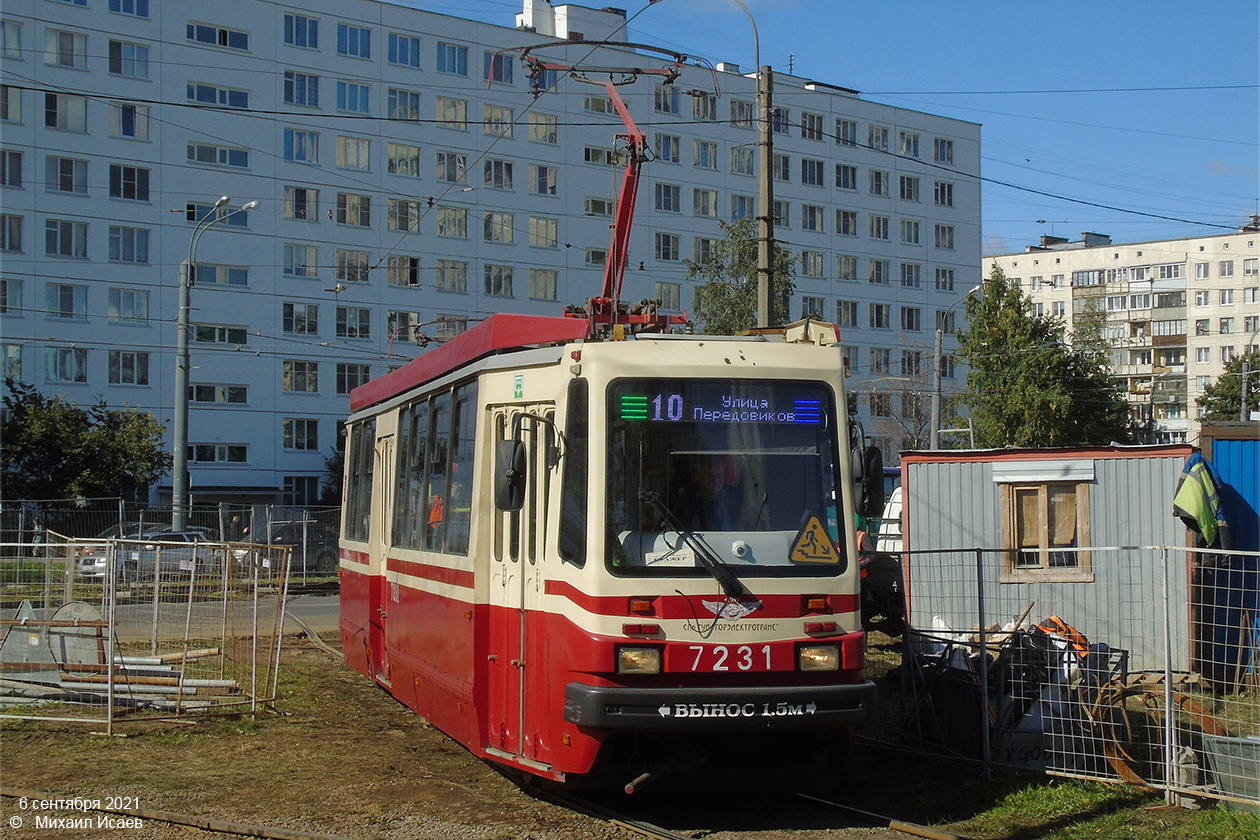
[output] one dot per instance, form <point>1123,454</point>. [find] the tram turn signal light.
<point>816,604</point>
<point>640,629</point>
<point>819,658</point>
<point>641,606</point>
<point>638,660</point>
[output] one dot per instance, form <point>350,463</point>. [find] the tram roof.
<point>499,332</point>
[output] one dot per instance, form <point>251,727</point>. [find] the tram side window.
<point>463,441</point>
<point>410,511</point>
<point>573,505</point>
<point>435,485</point>
<point>361,465</point>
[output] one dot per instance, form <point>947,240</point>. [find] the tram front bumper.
<point>724,708</point>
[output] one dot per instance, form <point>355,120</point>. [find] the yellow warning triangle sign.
<point>813,545</point>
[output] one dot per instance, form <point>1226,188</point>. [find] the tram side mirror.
<point>871,483</point>
<point>509,475</point>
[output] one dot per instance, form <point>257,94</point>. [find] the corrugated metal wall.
<point>1238,462</point>
<point>955,507</point>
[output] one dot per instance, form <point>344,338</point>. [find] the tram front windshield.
<point>746,469</point>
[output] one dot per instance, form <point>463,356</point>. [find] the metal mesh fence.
<point>113,629</point>
<point>1139,665</point>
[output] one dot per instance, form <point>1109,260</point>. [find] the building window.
<point>301,89</point>
<point>10,39</point>
<point>498,280</point>
<point>11,103</point>
<point>65,300</point>
<point>669,295</point>
<point>847,313</point>
<point>498,174</point>
<point>209,453</point>
<point>301,31</point>
<point>743,114</point>
<point>780,120</point>
<point>909,144</point>
<point>944,237</point>
<point>354,40</point>
<point>301,203</point>
<point>781,167</point>
<point>452,59</point>
<point>813,263</point>
<point>300,377</point>
<point>813,172</point>
<point>879,183</point>
<point>218,36</point>
<point>354,209</point>
<point>353,97</point>
<point>846,223</point>
<point>665,99</point>
<point>61,238</point>
<point>11,361</point>
<point>943,151</point>
<point>499,66</point>
<point>911,362</point>
<point>1042,524</point>
<point>67,175</point>
<point>300,318</point>
<point>943,194</point>
<point>881,405</point>
<point>909,232</point>
<point>595,104</point>
<point>130,305</point>
<point>880,316</point>
<point>402,270</point>
<point>909,188</point>
<point>669,198</point>
<point>704,203</point>
<point>667,148</point>
<point>1227,297</point>
<point>812,217</point>
<point>452,113</point>
<point>542,179</point>
<point>911,275</point>
<point>218,334</point>
<point>782,213</point>
<point>65,49</point>
<point>300,491</point>
<point>452,167</point>
<point>301,146</point>
<point>846,177</point>
<point>497,120</point>
<point>1225,269</point>
<point>877,138</point>
<point>702,250</point>
<point>667,247</point>
<point>128,120</point>
<point>743,161</point>
<point>354,322</point>
<point>138,8</point>
<point>811,126</point>
<point>813,307</point>
<point>11,169</point>
<point>128,59</point>
<point>911,319</point>
<point>351,376</point>
<point>238,394</point>
<point>542,283</point>
<point>542,128</point>
<point>404,50</point>
<point>1227,326</point>
<point>704,154</point>
<point>402,159</point>
<point>881,360</point>
<point>64,112</point>
<point>879,227</point>
<point>452,276</point>
<point>127,367</point>
<point>65,365</point>
<point>10,296</point>
<point>301,433</point>
<point>497,227</point>
<point>846,267</point>
<point>743,207</point>
<point>542,232</point>
<point>452,221</point>
<point>128,182</point>
<point>216,96</point>
<point>352,266</point>
<point>402,215</point>
<point>222,275</point>
<point>846,132</point>
<point>300,260</point>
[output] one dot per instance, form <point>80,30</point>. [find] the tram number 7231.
<point>730,658</point>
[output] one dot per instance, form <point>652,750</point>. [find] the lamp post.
<point>1246,371</point>
<point>934,436</point>
<point>179,434</point>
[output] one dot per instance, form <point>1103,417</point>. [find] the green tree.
<point>1223,398</point>
<point>725,300</point>
<point>334,473</point>
<point>1025,387</point>
<point>54,449</point>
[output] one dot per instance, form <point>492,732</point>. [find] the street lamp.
<point>179,445</point>
<point>934,435</point>
<point>1246,371</point>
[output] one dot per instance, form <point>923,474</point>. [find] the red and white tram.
<point>574,553</point>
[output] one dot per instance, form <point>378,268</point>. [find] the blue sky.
<point>1163,117</point>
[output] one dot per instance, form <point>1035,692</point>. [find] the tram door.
<point>515,668</point>
<point>384,590</point>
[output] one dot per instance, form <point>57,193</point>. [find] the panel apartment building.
<point>407,181</point>
<point>1177,311</point>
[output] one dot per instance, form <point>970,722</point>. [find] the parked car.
<point>173,553</point>
<point>309,543</point>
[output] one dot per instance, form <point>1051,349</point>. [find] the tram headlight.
<point>819,658</point>
<point>638,660</point>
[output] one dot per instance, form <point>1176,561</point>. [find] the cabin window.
<point>573,505</point>
<point>1045,529</point>
<point>463,439</point>
<point>410,513</point>
<point>361,463</point>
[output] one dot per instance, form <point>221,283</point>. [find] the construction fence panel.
<point>1126,664</point>
<point>117,629</point>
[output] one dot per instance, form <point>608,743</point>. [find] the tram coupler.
<point>642,780</point>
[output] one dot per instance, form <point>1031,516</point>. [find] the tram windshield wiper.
<point>713,564</point>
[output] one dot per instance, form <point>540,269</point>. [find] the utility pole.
<point>935,436</point>
<point>765,201</point>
